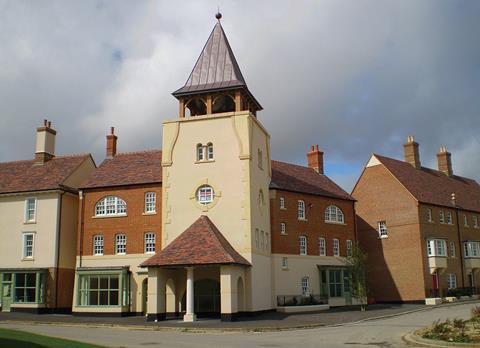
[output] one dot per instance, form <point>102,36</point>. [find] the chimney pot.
<point>444,159</point>
<point>45,144</point>
<point>49,124</point>
<point>412,153</point>
<point>111,143</point>
<point>45,122</point>
<point>315,159</point>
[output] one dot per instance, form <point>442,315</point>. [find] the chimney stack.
<point>445,161</point>
<point>45,145</point>
<point>315,159</point>
<point>111,143</point>
<point>412,154</point>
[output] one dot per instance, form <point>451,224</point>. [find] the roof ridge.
<point>137,152</point>
<point>53,158</point>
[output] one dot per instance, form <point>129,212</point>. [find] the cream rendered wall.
<point>136,278</point>
<point>80,174</point>
<point>68,231</point>
<point>288,281</point>
<point>236,179</point>
<point>12,216</point>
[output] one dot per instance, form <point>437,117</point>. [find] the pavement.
<point>264,322</point>
<point>385,332</point>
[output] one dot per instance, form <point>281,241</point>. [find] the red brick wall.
<point>313,228</point>
<point>397,264</point>
<point>134,225</point>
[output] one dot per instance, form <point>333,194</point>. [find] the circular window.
<point>205,194</point>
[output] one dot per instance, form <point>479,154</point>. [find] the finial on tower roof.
<point>218,15</point>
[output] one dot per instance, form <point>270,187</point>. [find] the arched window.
<point>334,214</point>
<point>210,151</point>
<point>200,153</point>
<point>110,206</point>
<point>196,106</point>
<point>223,103</point>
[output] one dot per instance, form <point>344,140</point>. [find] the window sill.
<point>108,216</point>
<point>303,254</point>
<point>302,219</point>
<point>284,268</point>
<point>335,223</point>
<point>150,253</point>
<point>97,255</point>
<point>150,213</point>
<point>28,259</point>
<point>205,161</point>
<point>30,222</point>
<point>437,256</point>
<point>283,208</point>
<point>382,237</point>
<point>120,254</point>
<point>283,234</point>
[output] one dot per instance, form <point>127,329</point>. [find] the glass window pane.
<point>104,283</point>
<point>20,280</point>
<point>93,282</point>
<point>103,298</point>
<point>114,298</point>
<point>93,298</point>
<point>114,282</point>
<point>30,279</point>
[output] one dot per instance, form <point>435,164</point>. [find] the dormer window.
<point>204,152</point>
<point>111,206</point>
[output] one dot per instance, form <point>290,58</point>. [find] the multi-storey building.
<point>38,220</point>
<point>119,228</point>
<point>233,230</point>
<point>419,226</point>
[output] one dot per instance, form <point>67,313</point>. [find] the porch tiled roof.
<point>200,244</point>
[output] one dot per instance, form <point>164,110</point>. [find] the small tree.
<point>358,267</point>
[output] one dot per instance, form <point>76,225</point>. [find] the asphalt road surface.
<point>375,333</point>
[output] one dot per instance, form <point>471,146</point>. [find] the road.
<point>375,333</point>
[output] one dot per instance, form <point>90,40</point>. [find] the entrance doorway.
<point>435,289</point>
<point>6,291</point>
<point>206,297</point>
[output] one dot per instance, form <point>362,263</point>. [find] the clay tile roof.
<point>291,177</point>
<point>128,168</point>
<point>25,176</point>
<point>200,244</point>
<point>434,187</point>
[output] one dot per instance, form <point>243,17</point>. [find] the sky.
<point>355,77</point>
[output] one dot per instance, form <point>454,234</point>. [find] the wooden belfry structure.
<point>216,84</point>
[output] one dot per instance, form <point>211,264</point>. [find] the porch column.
<point>156,294</point>
<point>228,293</point>
<point>190,315</point>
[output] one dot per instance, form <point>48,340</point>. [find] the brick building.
<point>234,232</point>
<point>119,228</point>
<point>419,227</point>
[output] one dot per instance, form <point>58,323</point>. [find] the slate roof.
<point>130,168</point>
<point>291,177</point>
<point>216,68</point>
<point>434,187</point>
<point>26,176</point>
<point>200,244</point>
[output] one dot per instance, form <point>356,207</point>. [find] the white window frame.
<point>336,247</point>
<point>465,220</point>
<point>429,215</point>
<point>451,281</point>
<point>475,221</point>
<point>111,206</point>
<point>441,217</point>
<point>436,247</point>
<point>303,245</point>
<point>282,202</point>
<point>349,246</point>
<point>471,249</point>
<point>203,197</point>
<point>284,262</point>
<point>28,250</point>
<point>149,241</point>
<point>283,228</point>
<point>120,244</point>
<point>200,153</point>
<point>334,214</point>
<point>382,229</point>
<point>209,152</point>
<point>28,210</point>
<point>150,202</point>
<point>305,286</point>
<point>453,252</point>
<point>98,244</point>
<point>322,246</point>
<point>449,218</point>
<point>301,209</point>
<point>267,241</point>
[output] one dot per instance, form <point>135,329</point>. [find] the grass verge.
<point>21,339</point>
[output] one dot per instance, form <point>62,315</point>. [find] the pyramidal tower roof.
<point>216,67</point>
